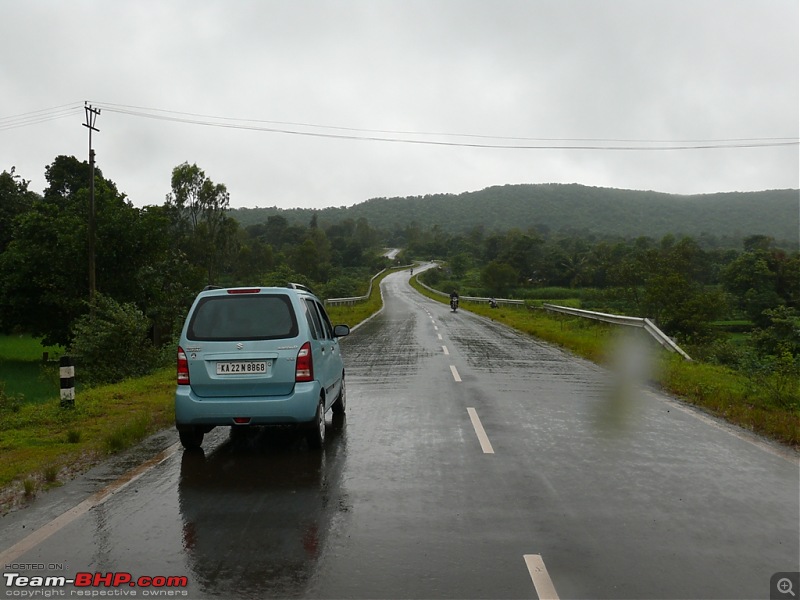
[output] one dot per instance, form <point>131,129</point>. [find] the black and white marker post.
<point>67,373</point>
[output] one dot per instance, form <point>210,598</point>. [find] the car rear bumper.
<point>298,407</point>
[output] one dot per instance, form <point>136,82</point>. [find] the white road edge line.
<point>445,350</point>
<point>453,370</point>
<point>96,499</point>
<point>541,579</point>
<point>486,445</point>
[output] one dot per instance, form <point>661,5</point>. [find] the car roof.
<point>216,290</point>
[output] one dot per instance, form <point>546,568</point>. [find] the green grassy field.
<point>22,372</point>
<point>31,380</point>
<point>26,348</point>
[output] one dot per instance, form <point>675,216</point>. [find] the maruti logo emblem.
<point>239,346</point>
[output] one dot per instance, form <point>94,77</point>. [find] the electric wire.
<point>40,116</point>
<point>395,136</point>
<point>562,143</point>
<point>128,109</point>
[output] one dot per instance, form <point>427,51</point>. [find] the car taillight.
<point>183,367</point>
<point>305,364</point>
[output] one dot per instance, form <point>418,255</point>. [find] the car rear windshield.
<point>243,317</point>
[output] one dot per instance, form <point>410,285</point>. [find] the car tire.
<point>191,438</point>
<point>315,434</point>
<point>340,404</point>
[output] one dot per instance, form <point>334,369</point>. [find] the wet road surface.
<point>473,462</point>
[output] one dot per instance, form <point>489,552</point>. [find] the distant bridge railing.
<point>354,299</point>
<point>357,299</point>
<point>650,327</point>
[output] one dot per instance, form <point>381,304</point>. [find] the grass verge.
<point>718,390</point>
<point>353,315</point>
<point>42,444</point>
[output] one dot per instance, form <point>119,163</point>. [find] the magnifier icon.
<point>784,586</point>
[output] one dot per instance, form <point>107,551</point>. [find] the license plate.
<point>250,367</point>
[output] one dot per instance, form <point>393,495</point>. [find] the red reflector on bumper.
<point>241,420</point>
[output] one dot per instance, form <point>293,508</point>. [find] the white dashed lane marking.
<point>486,446</point>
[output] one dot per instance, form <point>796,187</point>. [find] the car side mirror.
<point>341,331</point>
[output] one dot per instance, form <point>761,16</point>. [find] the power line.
<point>548,143</point>
<point>197,118</point>
<point>398,136</point>
<point>39,116</point>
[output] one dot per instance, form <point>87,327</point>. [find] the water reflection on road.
<point>257,510</point>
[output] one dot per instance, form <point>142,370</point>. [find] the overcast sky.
<point>466,77</point>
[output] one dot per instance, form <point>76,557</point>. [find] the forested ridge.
<point>571,208</point>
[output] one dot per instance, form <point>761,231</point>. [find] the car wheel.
<point>316,429</point>
<point>191,438</point>
<point>340,404</point>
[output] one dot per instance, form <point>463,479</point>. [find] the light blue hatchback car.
<point>258,356</point>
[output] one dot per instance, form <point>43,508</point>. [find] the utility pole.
<point>91,118</point>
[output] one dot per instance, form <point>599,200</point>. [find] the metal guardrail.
<point>356,299</point>
<point>661,337</point>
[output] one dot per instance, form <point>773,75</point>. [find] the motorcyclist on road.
<point>453,299</point>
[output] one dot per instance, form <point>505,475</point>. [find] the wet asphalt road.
<point>408,501</point>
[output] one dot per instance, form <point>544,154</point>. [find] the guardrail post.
<point>67,373</point>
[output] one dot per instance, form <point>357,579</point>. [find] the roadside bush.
<point>112,343</point>
<point>776,377</point>
<point>344,286</point>
<point>721,351</point>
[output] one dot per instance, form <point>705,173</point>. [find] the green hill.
<point>571,207</point>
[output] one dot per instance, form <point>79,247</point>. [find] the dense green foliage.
<point>112,342</point>
<point>722,219</point>
<point>150,262</point>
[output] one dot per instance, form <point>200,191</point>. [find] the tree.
<point>781,334</point>
<point>674,292</point>
<point>44,270</point>
<point>15,199</point>
<point>521,251</point>
<point>459,264</point>
<point>254,259</point>
<point>43,274</point>
<point>198,207</point>
<point>498,278</point>
<point>751,282</point>
<point>66,176</point>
